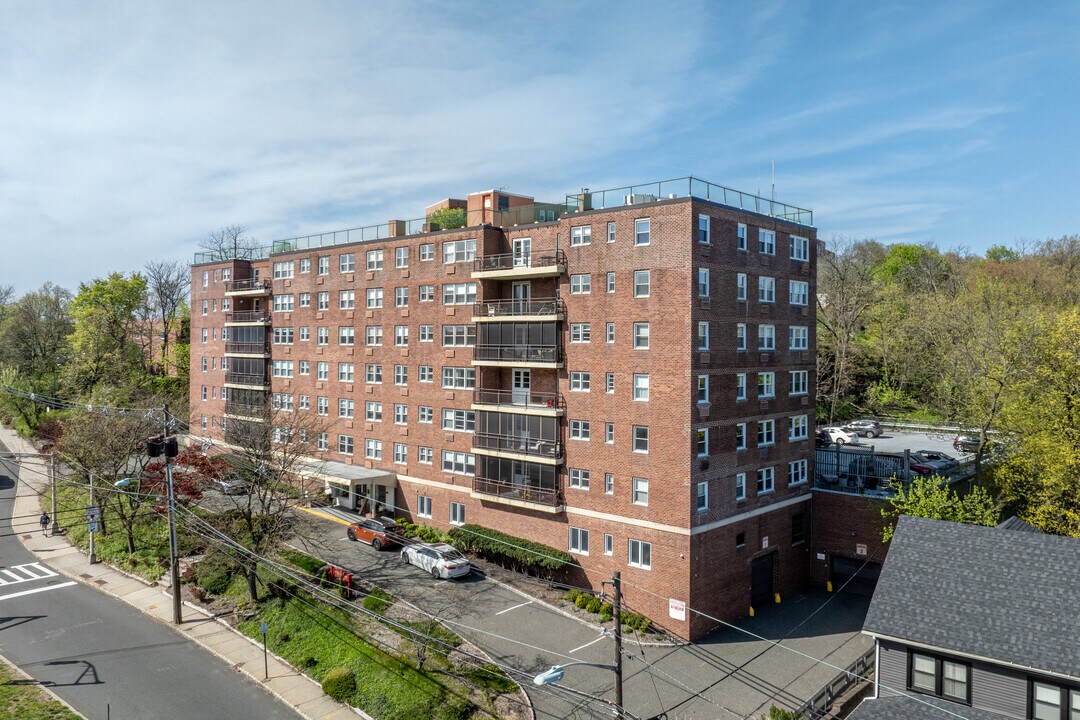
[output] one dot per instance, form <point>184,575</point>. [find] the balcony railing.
<point>518,491</point>
<point>247,284</point>
<point>248,316</point>
<point>518,399</point>
<point>505,308</point>
<point>511,261</point>
<point>534,447</point>
<point>252,410</point>
<point>237,378</point>
<point>518,353</point>
<point>247,348</point>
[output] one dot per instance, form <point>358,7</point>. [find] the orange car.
<point>378,532</point>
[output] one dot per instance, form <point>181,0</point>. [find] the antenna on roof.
<point>773,196</point>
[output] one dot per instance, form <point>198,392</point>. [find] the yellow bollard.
<point>828,585</point>
<point>776,598</point>
<point>751,611</point>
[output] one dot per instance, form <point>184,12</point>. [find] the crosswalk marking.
<point>24,573</point>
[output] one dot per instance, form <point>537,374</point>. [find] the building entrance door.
<point>761,580</point>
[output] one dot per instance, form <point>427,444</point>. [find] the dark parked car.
<point>821,438</point>
<point>865,428</point>
<point>966,443</point>
<point>379,532</point>
<point>941,463</point>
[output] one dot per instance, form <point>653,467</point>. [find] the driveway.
<point>729,674</point>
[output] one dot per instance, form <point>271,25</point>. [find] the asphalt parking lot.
<point>896,441</point>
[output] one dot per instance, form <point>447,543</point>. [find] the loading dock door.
<point>761,580</point>
<point>855,576</point>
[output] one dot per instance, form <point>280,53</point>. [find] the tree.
<point>231,243</point>
<point>106,314</point>
<point>448,218</point>
<point>168,285</point>
<point>35,329</point>
<point>931,497</point>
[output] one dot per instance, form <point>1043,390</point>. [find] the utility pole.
<point>174,566</point>
<point>617,606</point>
<point>52,482</point>
<point>93,530</point>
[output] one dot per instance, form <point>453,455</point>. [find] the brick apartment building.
<point>627,375</point>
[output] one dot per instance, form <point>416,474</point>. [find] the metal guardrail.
<point>864,471</point>
<point>822,701</point>
<point>504,308</point>
<point>513,261</point>
<point>519,399</point>
<point>518,491</point>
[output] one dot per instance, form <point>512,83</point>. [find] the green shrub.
<point>340,683</point>
<point>518,553</point>
<point>605,616</point>
<point>215,572</point>
<point>491,677</point>
<point>593,605</point>
<point>581,601</point>
<point>572,595</point>
<point>378,600</point>
<point>305,562</point>
<point>606,609</point>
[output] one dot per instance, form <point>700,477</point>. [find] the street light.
<point>555,674</point>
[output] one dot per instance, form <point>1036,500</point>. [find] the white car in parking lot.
<point>840,436</point>
<point>441,560</point>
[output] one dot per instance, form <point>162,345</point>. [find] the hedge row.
<point>506,549</point>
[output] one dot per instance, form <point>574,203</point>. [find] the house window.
<point>766,289</point>
<point>740,336</point>
<point>641,387</point>
<point>425,455</point>
<point>766,385</point>
<point>640,494</point>
<point>580,235</point>
<point>640,554</point>
<point>609,483</point>
<point>641,283</point>
<point>611,282</point>
<point>704,288</point>
<point>641,439</point>
<point>345,444</point>
<point>798,292</point>
<point>579,541</point>
<point>579,381</point>
<point>799,381</point>
<point>740,436</point>
<point>580,284</point>
<point>1053,702</point>
<point>740,386</point>
<point>401,257</point>
<point>641,336</point>
<point>347,262</point>
<point>427,252</point>
<point>703,335</point>
<point>766,337</point>
<point>798,528</point>
<point>457,513</point>
<point>611,232</point>
<point>797,472</point>
<point>579,479</point>
<point>579,429</point>
<point>740,486</point>
<point>703,230</point>
<point>373,374</point>
<point>324,265</point>
<point>459,251</point>
<point>797,428</point>
<point>938,676</point>
<point>800,248</point>
<point>701,501</point>
<point>580,332</point>
<point>642,231</point>
<point>423,506</point>
<point>740,286</point>
<point>401,297</point>
<point>766,478</point>
<point>798,337</point>
<point>766,432</point>
<point>766,241</point>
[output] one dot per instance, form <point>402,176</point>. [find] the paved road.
<point>730,674</point>
<point>102,657</point>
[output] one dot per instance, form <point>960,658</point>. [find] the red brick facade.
<point>692,552</point>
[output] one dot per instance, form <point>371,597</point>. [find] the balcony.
<point>538,356</point>
<point>247,348</point>
<point>513,266</point>
<point>257,412</point>
<point>248,317</point>
<point>536,449</point>
<point>517,401</point>
<point>520,494</point>
<point>248,287</point>
<point>249,380</point>
<point>549,309</point>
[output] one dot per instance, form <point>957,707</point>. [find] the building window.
<point>425,414</point>
<point>611,282</point>
<point>703,230</point>
<point>401,335</point>
<point>373,411</point>
<point>205,278</point>
<point>401,374</point>
<point>740,242</point>
<point>427,252</point>
<point>765,480</point>
<point>640,438</point>
<point>427,333</point>
<point>459,335</point>
<point>579,381</point>
<point>641,336</point>
<point>401,257</point>
<point>642,231</point>
<point>640,491</point>
<point>1053,702</point>
<point>766,337</point>
<point>609,483</point>
<point>609,382</point>
<point>401,453</point>
<point>704,286</point>
<point>579,541</point>
<point>702,443</point>
<point>703,335</point>
<point>740,286</point>
<point>766,385</point>
<point>322,441</point>
<point>373,335</point>
<point>611,232</point>
<point>609,544</point>
<point>373,449</point>
<point>324,265</point>
<point>580,284</point>
<point>459,251</point>
<point>580,235</point>
<point>457,378</point>
<point>305,299</point>
<point>346,371</point>
<point>943,678</point>
<point>799,382</point>
<point>798,528</point>
<point>401,414</point>
<point>347,262</point>
<point>458,462</point>
<point>322,301</point>
<point>640,554</point>
<point>283,368</point>
<point>766,241</point>
<point>641,283</point>
<point>740,486</point>
<point>703,388</point>
<point>609,433</point>
<point>373,374</point>
<point>425,455</point>
<point>798,428</point>
<point>423,506</point>
<point>322,405</point>
<point>701,497</point>
<point>800,248</point>
<point>641,388</point>
<point>458,420</point>
<point>345,408</point>
<point>740,336</point>
<point>766,289</point>
<point>346,335</point>
<point>766,432</point>
<point>580,332</point>
<point>374,298</point>
<point>425,373</point>
<point>283,303</point>
<point>579,429</point>
<point>457,513</point>
<point>205,307</point>
<point>459,293</point>
<point>740,436</point>
<point>401,297</point>
<point>283,269</point>
<point>797,472</point>
<point>345,444</point>
<point>609,333</point>
<point>798,292</point>
<point>740,386</point>
<point>798,337</point>
<point>579,479</point>
<point>427,293</point>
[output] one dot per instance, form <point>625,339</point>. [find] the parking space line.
<point>591,642</point>
<point>515,607</point>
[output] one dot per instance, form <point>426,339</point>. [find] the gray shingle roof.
<point>906,708</point>
<point>1008,596</point>
<point>1015,523</point>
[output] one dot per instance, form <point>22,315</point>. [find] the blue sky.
<point>127,135</point>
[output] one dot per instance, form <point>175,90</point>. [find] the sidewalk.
<point>244,654</point>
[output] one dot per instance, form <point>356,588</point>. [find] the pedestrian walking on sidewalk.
<point>44,522</point>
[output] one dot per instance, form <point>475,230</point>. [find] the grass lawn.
<point>28,702</point>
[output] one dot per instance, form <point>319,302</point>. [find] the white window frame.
<point>766,289</point>
<point>581,284</point>
<point>639,493</point>
<point>642,283</point>
<point>766,242</point>
<point>740,486</point>
<point>639,554</point>
<point>797,473</point>
<point>766,480</point>
<point>704,237</point>
<point>800,248</point>
<point>642,231</point>
<point>578,542</point>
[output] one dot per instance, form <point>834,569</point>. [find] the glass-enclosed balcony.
<point>519,483</point>
<point>518,344</point>
<point>550,309</point>
<point>247,286</point>
<point>520,264</point>
<point>513,434</point>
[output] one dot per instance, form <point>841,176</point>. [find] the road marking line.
<point>38,590</point>
<point>515,607</point>
<point>328,516</point>
<point>602,636</point>
<point>14,578</point>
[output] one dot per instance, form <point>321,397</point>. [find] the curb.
<point>16,670</point>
